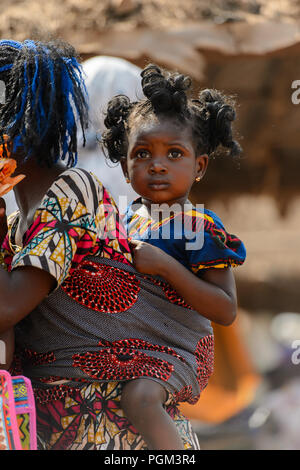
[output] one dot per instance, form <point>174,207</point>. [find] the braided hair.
<point>45,96</point>
<point>210,115</point>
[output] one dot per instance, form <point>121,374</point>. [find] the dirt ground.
<point>23,18</point>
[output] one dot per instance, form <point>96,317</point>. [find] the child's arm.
<point>213,296</point>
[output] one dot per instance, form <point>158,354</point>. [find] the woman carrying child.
<point>59,292</point>
<point>86,322</point>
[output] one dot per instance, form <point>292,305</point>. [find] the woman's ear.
<point>201,166</point>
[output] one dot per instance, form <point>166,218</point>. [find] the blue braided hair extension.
<point>46,99</point>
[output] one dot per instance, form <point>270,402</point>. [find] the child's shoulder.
<point>210,218</point>
<point>198,211</point>
<point>132,208</point>
<point>220,248</point>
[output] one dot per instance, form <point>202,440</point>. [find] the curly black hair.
<point>210,116</point>
<point>45,96</point>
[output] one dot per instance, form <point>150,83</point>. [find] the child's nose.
<point>158,167</point>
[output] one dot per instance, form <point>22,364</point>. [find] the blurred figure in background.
<point>106,77</point>
<point>234,383</point>
<point>11,205</point>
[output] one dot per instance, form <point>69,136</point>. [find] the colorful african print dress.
<point>102,325</point>
<point>195,237</point>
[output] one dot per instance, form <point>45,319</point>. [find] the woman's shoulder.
<point>74,178</point>
<point>11,218</point>
<point>132,210</point>
<point>80,186</point>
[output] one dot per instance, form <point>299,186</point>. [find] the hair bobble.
<point>114,139</point>
<point>165,92</point>
<point>154,84</point>
<point>225,113</point>
<point>117,111</point>
<point>182,82</point>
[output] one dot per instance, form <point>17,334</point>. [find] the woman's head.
<point>45,98</point>
<point>168,116</point>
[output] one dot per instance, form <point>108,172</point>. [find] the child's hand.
<point>147,259</point>
<point>3,220</point>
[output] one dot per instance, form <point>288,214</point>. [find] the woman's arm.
<point>213,295</point>
<point>20,292</point>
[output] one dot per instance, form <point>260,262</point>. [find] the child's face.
<point>161,162</point>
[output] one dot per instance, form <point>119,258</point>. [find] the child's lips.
<point>159,185</point>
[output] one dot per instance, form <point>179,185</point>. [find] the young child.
<point>164,143</point>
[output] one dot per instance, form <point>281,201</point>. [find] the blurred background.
<point>249,49</point>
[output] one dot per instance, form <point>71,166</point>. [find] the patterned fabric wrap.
<point>104,322</point>
<point>113,311</point>
<point>89,417</point>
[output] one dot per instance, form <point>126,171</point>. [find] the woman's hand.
<point>148,259</point>
<point>7,168</point>
<point>3,220</point>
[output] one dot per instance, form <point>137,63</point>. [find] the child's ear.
<point>123,162</point>
<point>201,166</point>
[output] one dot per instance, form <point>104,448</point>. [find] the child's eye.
<point>142,154</point>
<point>175,153</point>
